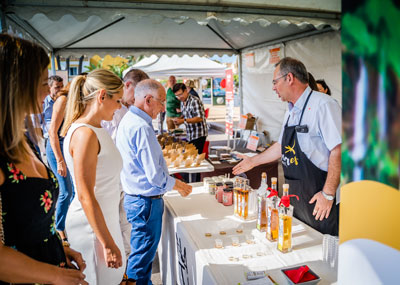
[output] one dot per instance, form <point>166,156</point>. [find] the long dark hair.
<point>21,65</point>
<point>324,85</point>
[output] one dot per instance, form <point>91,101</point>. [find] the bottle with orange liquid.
<point>285,221</point>
<point>262,194</point>
<point>272,211</point>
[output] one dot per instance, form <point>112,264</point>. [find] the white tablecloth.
<point>187,256</point>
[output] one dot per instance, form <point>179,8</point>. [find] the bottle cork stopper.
<point>274,179</point>
<point>285,186</point>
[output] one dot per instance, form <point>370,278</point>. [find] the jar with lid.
<point>219,191</point>
<point>212,187</point>
<point>227,198</point>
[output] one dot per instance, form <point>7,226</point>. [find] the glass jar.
<point>219,191</point>
<point>212,187</point>
<point>227,198</point>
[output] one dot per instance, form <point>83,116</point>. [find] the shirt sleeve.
<point>330,123</point>
<point>150,156</point>
<point>197,109</point>
<point>283,127</point>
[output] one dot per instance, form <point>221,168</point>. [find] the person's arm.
<point>271,154</point>
<point>149,155</point>
<point>84,148</point>
<point>329,125</point>
<point>323,206</point>
<point>14,267</point>
<point>56,120</point>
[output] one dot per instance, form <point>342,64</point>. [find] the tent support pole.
<point>222,38</point>
<point>53,64</point>
<point>80,67</point>
<point>240,82</point>
<point>3,25</point>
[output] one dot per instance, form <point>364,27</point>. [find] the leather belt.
<point>150,197</point>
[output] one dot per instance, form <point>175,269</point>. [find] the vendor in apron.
<point>309,147</point>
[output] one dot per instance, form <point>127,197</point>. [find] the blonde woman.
<point>92,223</point>
<point>30,248</point>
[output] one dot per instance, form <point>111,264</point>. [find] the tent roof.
<point>185,66</point>
<point>167,27</point>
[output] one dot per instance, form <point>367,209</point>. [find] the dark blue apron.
<point>305,180</point>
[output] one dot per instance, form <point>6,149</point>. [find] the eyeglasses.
<point>161,102</point>
<point>277,79</point>
<point>179,95</point>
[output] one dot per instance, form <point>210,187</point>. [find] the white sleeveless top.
<point>107,193</point>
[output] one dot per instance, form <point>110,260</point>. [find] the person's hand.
<point>178,110</point>
<point>66,276</point>
<point>178,121</point>
<point>245,165</point>
<point>62,168</point>
<point>322,206</point>
<point>112,256</point>
<point>183,188</point>
<point>75,256</point>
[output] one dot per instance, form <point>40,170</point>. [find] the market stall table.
<point>188,256</point>
<point>254,175</point>
<point>204,167</point>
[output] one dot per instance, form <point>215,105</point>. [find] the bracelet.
<point>61,161</point>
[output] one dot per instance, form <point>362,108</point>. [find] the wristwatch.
<point>184,120</point>
<point>327,196</point>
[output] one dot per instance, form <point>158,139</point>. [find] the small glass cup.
<point>249,238</point>
<point>219,243</point>
<point>235,241</point>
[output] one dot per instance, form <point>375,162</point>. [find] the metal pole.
<point>53,64</point>
<point>80,68</point>
<point>240,82</point>
<point>3,24</point>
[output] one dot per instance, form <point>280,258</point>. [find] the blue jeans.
<point>145,216</point>
<point>65,185</point>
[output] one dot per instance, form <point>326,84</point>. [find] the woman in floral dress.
<point>30,248</point>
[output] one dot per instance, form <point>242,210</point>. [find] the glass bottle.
<point>244,205</point>
<point>262,194</point>
<point>272,212</point>
<point>285,221</point>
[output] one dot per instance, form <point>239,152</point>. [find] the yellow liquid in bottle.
<point>245,204</point>
<point>262,215</point>
<point>285,233</point>
<point>273,223</point>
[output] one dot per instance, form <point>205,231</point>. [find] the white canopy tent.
<point>306,29</point>
<point>185,66</point>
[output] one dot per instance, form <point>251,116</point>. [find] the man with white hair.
<point>144,178</point>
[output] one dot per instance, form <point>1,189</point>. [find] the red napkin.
<point>300,274</point>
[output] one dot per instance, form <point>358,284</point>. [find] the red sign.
<point>252,143</point>
<point>229,80</point>
<point>242,122</point>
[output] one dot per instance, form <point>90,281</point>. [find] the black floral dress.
<point>28,206</point>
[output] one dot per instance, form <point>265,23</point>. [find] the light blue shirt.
<point>323,116</point>
<point>47,113</point>
<point>144,169</point>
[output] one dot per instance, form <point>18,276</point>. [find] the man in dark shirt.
<point>192,116</point>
